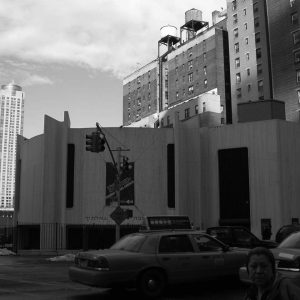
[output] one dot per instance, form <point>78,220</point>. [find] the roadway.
<point>34,277</point>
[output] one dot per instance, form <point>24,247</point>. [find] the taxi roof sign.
<point>167,222</point>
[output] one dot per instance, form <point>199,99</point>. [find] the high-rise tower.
<point>11,124</point>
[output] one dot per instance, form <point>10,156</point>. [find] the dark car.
<point>285,231</point>
<point>238,236</point>
<point>151,260</point>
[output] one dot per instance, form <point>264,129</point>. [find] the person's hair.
<point>261,251</point>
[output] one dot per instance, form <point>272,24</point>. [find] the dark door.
<point>234,187</point>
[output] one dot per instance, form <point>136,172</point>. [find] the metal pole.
<point>118,227</point>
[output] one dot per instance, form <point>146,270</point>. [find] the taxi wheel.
<point>151,283</point>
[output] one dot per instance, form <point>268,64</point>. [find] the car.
<point>238,236</point>
<point>285,231</point>
<point>151,260</point>
<point>287,257</point>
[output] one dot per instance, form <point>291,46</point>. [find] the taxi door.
<point>176,255</point>
<point>210,257</point>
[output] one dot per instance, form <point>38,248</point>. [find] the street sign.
<point>119,215</point>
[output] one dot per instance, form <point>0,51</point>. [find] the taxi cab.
<point>151,259</point>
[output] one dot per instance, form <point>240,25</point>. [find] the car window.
<point>222,234</point>
<point>175,243</point>
<point>130,243</point>
<point>206,244</point>
<point>242,235</point>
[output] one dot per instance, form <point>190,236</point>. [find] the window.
<point>183,78</point>
<point>236,32</point>
<point>255,7</point>
<point>239,93</point>
<point>176,83</point>
<point>191,89</point>
<point>296,37</point>
<point>190,65</point>
<point>298,95</point>
<point>177,95</point>
<point>246,41</point>
<point>138,79</point>
<point>235,19</point>
<point>244,11</point>
<point>175,243</point>
<point>292,2</point>
<point>236,47</point>
<point>233,5</point>
<point>249,87</point>
<point>238,77</point>
<point>176,70</point>
<point>247,56</point>
<point>246,26</point>
<point>205,70</point>
<point>237,62</point>
<point>168,120</point>
<point>203,107</point>
<point>183,92</point>
<point>248,72</point>
<point>298,76</point>
<point>205,83</point>
<point>190,76</point>
<point>190,52</point>
<point>256,22</point>
<point>186,113</point>
<point>206,244</point>
<point>257,37</point>
<point>297,56</point>
<point>196,109</point>
<point>204,56</point>
<point>258,53</point>
<point>294,18</point>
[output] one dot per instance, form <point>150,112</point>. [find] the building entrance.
<point>234,187</point>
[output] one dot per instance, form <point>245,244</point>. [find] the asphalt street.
<point>34,277</point>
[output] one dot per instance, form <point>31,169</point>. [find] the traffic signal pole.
<point>95,143</point>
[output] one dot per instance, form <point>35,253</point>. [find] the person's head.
<point>261,266</point>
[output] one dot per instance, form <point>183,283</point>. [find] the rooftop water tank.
<point>193,14</point>
<point>168,30</point>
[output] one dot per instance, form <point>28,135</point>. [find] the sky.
<point>72,55</point>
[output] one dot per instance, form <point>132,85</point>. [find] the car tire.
<point>151,283</point>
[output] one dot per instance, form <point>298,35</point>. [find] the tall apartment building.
<point>11,124</point>
<point>264,43</point>
<point>187,68</point>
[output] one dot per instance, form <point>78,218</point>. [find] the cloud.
<point>33,79</point>
<point>108,35</point>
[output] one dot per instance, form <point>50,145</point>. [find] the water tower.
<point>193,23</point>
<point>169,37</point>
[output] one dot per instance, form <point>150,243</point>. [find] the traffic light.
<point>95,142</point>
<point>91,142</point>
<point>125,164</point>
<point>100,143</point>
